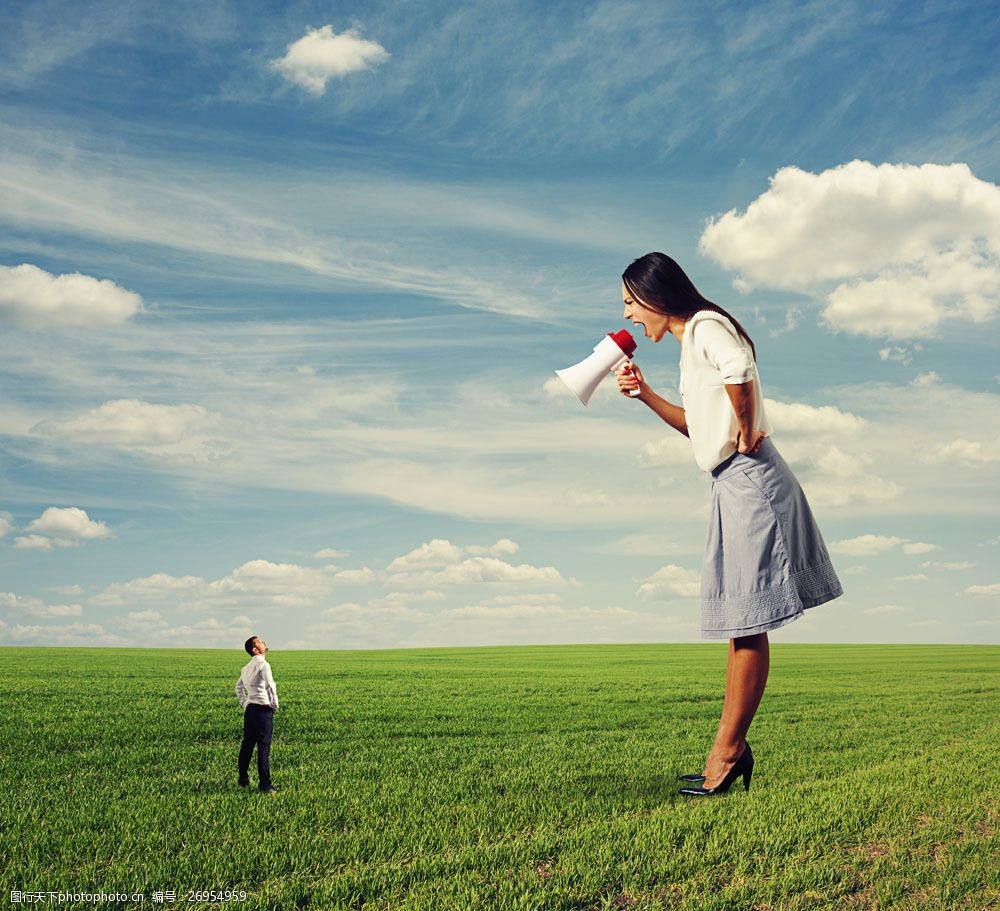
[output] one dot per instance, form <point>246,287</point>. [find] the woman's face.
<point>655,325</point>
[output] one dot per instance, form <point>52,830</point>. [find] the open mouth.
<point>637,323</point>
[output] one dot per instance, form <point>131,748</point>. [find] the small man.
<point>259,698</point>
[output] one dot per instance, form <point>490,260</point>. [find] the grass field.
<point>541,777</point>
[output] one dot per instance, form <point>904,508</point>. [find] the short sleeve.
<point>717,345</point>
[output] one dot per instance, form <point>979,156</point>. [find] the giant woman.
<point>765,561</point>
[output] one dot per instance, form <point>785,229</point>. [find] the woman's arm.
<point>631,376</point>
<point>742,397</point>
<point>672,414</point>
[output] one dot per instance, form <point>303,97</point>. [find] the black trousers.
<point>258,722</point>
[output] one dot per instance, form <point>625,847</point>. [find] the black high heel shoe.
<point>743,766</point>
<point>691,777</point>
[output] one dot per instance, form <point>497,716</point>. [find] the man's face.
<point>259,646</point>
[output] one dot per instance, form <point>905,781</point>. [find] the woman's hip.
<point>766,456</point>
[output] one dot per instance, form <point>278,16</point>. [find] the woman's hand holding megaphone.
<point>630,379</point>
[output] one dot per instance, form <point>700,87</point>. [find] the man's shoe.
<point>268,790</point>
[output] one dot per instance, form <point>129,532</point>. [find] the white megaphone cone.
<point>610,354</point>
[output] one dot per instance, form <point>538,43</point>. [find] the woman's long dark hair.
<point>657,282</point>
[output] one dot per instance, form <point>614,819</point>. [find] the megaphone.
<point>609,354</point>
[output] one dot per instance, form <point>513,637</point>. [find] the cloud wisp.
<point>179,432</point>
<point>346,229</point>
<point>871,545</point>
<point>232,407</point>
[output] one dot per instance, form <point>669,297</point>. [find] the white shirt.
<point>256,684</point>
<point>713,353</point>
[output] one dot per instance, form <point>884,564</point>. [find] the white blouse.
<point>713,353</point>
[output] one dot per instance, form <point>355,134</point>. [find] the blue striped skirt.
<point>765,559</point>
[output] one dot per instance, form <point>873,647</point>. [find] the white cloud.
<point>799,419</point>
<point>792,316</point>
<point>356,576</point>
<point>436,552</point>
<point>145,617</point>
<point>834,477</point>
<point>439,552</point>
<point>588,498</point>
<point>870,545</point>
<point>372,611</point>
<point>670,582</point>
<point>330,553</point>
<point>64,527</point>
<point>968,453</point>
<point>649,544</point>
<point>992,589</point>
<point>912,577</point>
<point>211,632</point>
<point>954,566</point>
<point>284,584</point>
<point>919,547</point>
<point>58,610</point>
<point>405,597</point>
<point>322,54</point>
<point>542,605</point>
<point>507,618</point>
<point>33,542</point>
<point>35,607</point>
<point>155,586</point>
<point>501,548</point>
<point>132,423</point>
<point>6,523</point>
<point>36,299</point>
<point>69,522</point>
<point>667,452</point>
<point>899,353</point>
<point>531,610</point>
<point>807,437</point>
<point>888,609</point>
<point>475,571</point>
<point>259,584</point>
<point>954,285</point>
<point>70,634</point>
<point>546,598</point>
<point>66,589</point>
<point>908,247</point>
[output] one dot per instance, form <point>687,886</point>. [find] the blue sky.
<point>282,288</point>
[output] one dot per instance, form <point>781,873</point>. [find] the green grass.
<point>541,777</point>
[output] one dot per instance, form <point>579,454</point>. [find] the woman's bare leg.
<point>746,677</point>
